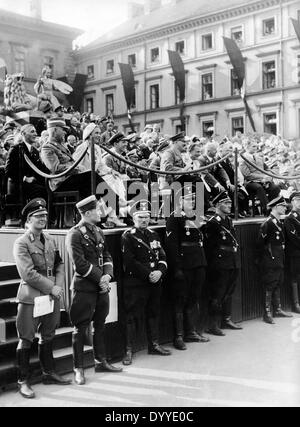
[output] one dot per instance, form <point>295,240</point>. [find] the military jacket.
<point>221,244</point>
<point>39,265</point>
<point>142,254</point>
<point>292,234</point>
<point>271,244</point>
<point>184,243</point>
<point>89,253</point>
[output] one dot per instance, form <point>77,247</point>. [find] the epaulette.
<point>132,231</point>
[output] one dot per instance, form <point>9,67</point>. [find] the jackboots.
<point>101,363</point>
<point>154,348</point>
<point>47,363</point>
<point>78,339</point>
<point>130,337</point>
<point>278,309</point>
<point>178,340</point>
<point>191,335</point>
<point>296,305</point>
<point>268,308</point>
<point>23,363</point>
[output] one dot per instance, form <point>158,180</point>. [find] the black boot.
<point>278,309</point>
<point>296,305</point>
<point>178,340</point>
<point>130,337</point>
<point>154,348</point>
<point>78,339</point>
<point>268,308</point>
<point>103,366</point>
<point>191,335</point>
<point>23,363</point>
<point>50,377</point>
<point>229,324</point>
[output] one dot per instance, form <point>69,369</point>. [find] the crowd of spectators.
<point>153,149</point>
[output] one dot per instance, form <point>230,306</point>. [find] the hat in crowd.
<point>279,201</point>
<point>132,137</point>
<point>164,144</point>
<point>133,153</point>
<point>88,204</point>
<point>116,138</point>
<point>56,123</point>
<point>148,127</point>
<point>36,206</point>
<point>88,131</point>
<point>223,197</point>
<point>141,207</point>
<point>187,192</point>
<point>295,195</point>
<point>45,107</point>
<point>179,137</point>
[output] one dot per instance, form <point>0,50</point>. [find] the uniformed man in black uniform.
<point>42,274</point>
<point>187,261</point>
<point>292,233</point>
<point>93,266</point>
<point>222,250</point>
<point>145,268</point>
<point>271,246</point>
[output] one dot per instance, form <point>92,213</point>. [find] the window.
<point>132,60</point>
<point>207,42</point>
<point>91,71</point>
<point>207,87</point>
<point>179,129</point>
<point>110,67</point>
<point>208,129</point>
<point>133,105</point>
<point>237,35</point>
<point>110,104</point>
<point>269,75</point>
<point>237,125</point>
<point>270,123</point>
<point>90,105</point>
<point>20,62</point>
<point>180,47</point>
<point>49,62</point>
<point>155,55</point>
<point>235,90</point>
<point>154,97</point>
<point>269,27</point>
<point>177,94</point>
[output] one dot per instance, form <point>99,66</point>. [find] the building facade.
<point>262,29</point>
<point>27,44</point>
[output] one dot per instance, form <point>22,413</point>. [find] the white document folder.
<point>42,306</point>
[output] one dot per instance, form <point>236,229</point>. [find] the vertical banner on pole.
<point>129,86</point>
<point>179,75</point>
<point>296,25</point>
<point>238,63</point>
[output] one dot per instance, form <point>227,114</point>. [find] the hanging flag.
<point>75,98</point>
<point>179,72</point>
<point>297,27</point>
<point>128,84</point>
<point>238,63</point>
<point>3,70</point>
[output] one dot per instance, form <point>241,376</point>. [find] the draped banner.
<point>297,27</point>
<point>238,63</point>
<point>179,74</point>
<point>128,85</point>
<point>76,97</point>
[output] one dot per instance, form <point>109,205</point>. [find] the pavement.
<point>256,367</point>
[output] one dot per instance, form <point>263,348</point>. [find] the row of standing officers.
<point>194,253</point>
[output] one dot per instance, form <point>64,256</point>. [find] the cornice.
<point>188,24</point>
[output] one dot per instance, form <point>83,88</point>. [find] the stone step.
<point>62,339</point>
<point>11,330</point>
<point>8,271</point>
<point>9,289</point>
<point>8,307</point>
<point>63,363</point>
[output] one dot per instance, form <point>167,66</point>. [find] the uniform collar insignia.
<point>32,238</point>
<point>133,231</point>
<point>218,218</point>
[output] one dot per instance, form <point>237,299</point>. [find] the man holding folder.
<point>42,272</point>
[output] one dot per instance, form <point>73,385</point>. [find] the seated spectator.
<point>17,169</point>
<point>257,183</point>
<point>215,177</point>
<point>75,128</point>
<point>108,134</point>
<point>71,143</point>
<point>119,144</point>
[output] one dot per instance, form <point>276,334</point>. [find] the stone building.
<point>263,30</point>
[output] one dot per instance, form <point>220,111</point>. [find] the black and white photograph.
<point>149,206</point>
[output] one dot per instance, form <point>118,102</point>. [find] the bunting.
<point>129,86</point>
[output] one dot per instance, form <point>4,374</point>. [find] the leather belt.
<point>191,244</point>
<point>228,249</point>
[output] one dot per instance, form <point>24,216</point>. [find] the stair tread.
<point>58,354</point>
<point>6,264</point>
<point>59,332</point>
<point>10,282</point>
